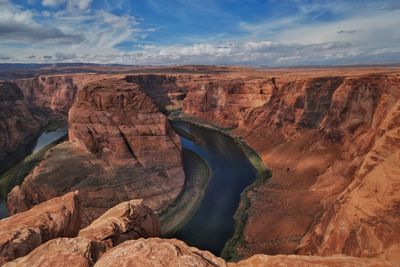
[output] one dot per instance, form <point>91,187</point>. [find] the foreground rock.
<point>121,147</point>
<point>127,220</point>
<point>157,252</point>
<point>60,252</point>
<point>307,261</point>
<point>20,234</point>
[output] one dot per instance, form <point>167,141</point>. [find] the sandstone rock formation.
<point>343,154</point>
<point>26,105</point>
<point>307,261</point>
<point>19,124</point>
<point>21,233</point>
<point>59,252</point>
<point>154,252</point>
<point>157,252</point>
<point>119,122</point>
<point>330,138</point>
<point>55,92</point>
<point>126,221</point>
<point>121,147</point>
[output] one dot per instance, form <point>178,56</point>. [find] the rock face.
<point>60,252</point>
<point>21,233</point>
<point>119,122</point>
<point>157,252</point>
<point>121,147</point>
<point>128,220</point>
<point>330,137</point>
<point>340,129</point>
<point>27,104</point>
<point>54,92</point>
<point>341,132</point>
<point>19,124</point>
<point>306,261</point>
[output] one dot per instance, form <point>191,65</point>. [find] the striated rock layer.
<point>154,252</point>
<point>121,147</point>
<point>26,105</point>
<point>23,232</point>
<point>128,220</point>
<point>19,123</point>
<point>331,140</point>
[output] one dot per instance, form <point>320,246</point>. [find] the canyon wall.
<point>331,140</point>
<point>27,106</point>
<point>19,123</point>
<point>121,147</point>
<point>332,144</point>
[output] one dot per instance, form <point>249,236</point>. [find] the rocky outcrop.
<point>121,147</point>
<point>19,124</point>
<point>126,221</point>
<point>21,233</point>
<point>307,261</point>
<point>118,121</point>
<point>77,251</point>
<point>157,252</point>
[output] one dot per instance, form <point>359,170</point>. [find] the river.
<point>212,225</point>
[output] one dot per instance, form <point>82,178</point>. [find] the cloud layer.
<point>319,32</point>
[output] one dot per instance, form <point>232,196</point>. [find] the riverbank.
<point>262,175</point>
<point>198,174</point>
<point>16,174</point>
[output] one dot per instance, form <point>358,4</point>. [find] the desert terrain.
<point>329,139</point>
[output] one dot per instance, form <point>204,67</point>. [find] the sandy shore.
<point>197,176</point>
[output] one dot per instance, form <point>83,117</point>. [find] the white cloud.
<point>88,35</point>
<point>71,4</point>
<point>18,25</point>
<point>52,2</point>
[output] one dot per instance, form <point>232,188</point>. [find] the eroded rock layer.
<point>19,123</point>
<point>121,147</point>
<point>330,139</point>
<point>21,233</point>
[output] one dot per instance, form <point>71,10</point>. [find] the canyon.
<point>330,139</point>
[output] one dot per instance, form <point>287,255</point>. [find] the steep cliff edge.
<point>332,145</point>
<point>19,123</point>
<point>28,105</point>
<point>121,147</point>
<point>319,133</point>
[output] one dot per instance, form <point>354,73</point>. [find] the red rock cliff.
<point>331,140</point>
<point>121,147</point>
<point>19,124</point>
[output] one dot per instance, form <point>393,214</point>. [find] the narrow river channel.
<point>212,225</point>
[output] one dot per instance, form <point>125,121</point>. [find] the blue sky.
<point>164,32</point>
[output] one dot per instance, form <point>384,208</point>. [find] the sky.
<point>180,32</point>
